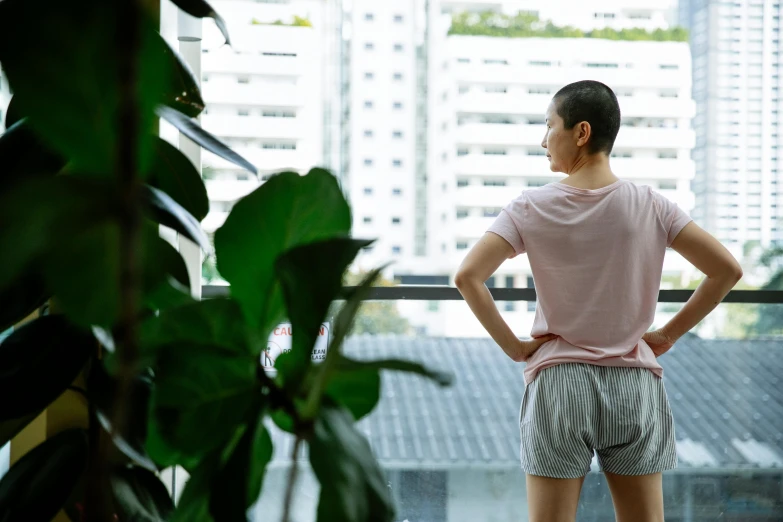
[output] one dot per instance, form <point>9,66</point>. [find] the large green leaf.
<point>286,211</point>
<point>40,215</point>
<point>359,390</point>
<point>311,277</point>
<point>36,487</point>
<point>21,298</point>
<point>353,487</point>
<point>193,505</point>
<point>342,325</point>
<point>140,496</point>
<point>84,273</point>
<point>164,210</point>
<point>38,362</point>
<point>192,129</point>
<point>209,323</point>
<point>175,175</point>
<point>183,94</point>
<point>237,486</point>
<point>201,9</point>
<point>23,156</point>
<point>68,83</point>
<point>201,395</point>
<point>350,365</point>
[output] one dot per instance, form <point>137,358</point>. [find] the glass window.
<point>367,162</point>
<point>396,221</point>
<point>397,163</point>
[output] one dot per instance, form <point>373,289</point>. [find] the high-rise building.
<point>736,86</point>
<point>477,119</point>
<point>265,94</point>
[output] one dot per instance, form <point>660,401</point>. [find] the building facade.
<point>265,94</point>
<point>478,119</point>
<point>736,85</point>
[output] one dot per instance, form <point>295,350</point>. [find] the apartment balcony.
<point>238,94</point>
<point>498,134</point>
<point>226,62</point>
<point>655,138</point>
<point>453,454</point>
<point>516,165</point>
<point>525,75</point>
<point>266,160</point>
<point>255,127</point>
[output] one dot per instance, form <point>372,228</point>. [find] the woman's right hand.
<point>659,341</point>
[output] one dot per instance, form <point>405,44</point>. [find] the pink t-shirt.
<point>597,258</point>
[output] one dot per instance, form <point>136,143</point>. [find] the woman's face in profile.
<point>557,141</point>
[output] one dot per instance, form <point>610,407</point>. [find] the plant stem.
<point>289,489</point>
<point>127,27</point>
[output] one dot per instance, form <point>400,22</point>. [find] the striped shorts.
<point>571,410</point>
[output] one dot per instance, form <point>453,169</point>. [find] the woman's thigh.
<point>637,498</point>
<point>552,499</point>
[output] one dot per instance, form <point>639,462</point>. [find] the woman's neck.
<point>591,172</point>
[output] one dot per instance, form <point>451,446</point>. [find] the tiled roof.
<point>725,395</point>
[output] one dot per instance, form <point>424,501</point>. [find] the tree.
<point>376,317</point>
<point>528,25</point>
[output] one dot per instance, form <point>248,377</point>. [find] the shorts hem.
<point>646,471</point>
<point>539,473</point>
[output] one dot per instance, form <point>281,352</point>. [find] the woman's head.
<point>583,120</point>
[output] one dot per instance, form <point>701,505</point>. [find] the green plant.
<point>298,21</point>
<point>170,380</point>
<point>528,25</point>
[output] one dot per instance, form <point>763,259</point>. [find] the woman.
<point>596,246</point>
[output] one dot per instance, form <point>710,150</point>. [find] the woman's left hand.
<point>527,348</point>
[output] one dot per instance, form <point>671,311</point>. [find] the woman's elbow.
<point>461,279</point>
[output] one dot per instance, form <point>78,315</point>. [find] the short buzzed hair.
<point>594,103</point>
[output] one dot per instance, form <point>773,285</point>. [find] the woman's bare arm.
<point>722,272</point>
<point>481,262</point>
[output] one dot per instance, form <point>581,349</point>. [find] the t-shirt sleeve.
<point>672,217</point>
<point>508,225</point>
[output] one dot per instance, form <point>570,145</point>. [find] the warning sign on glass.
<point>280,343</point>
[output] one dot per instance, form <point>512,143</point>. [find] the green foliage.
<point>527,25</point>
<point>192,392</point>
<point>297,21</point>
<point>375,317</point>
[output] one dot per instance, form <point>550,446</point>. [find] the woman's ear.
<point>583,133</point>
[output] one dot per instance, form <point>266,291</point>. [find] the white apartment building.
<point>264,95</point>
<point>385,39</point>
<point>475,121</point>
<point>489,118</point>
<point>597,14</point>
<point>736,85</point>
